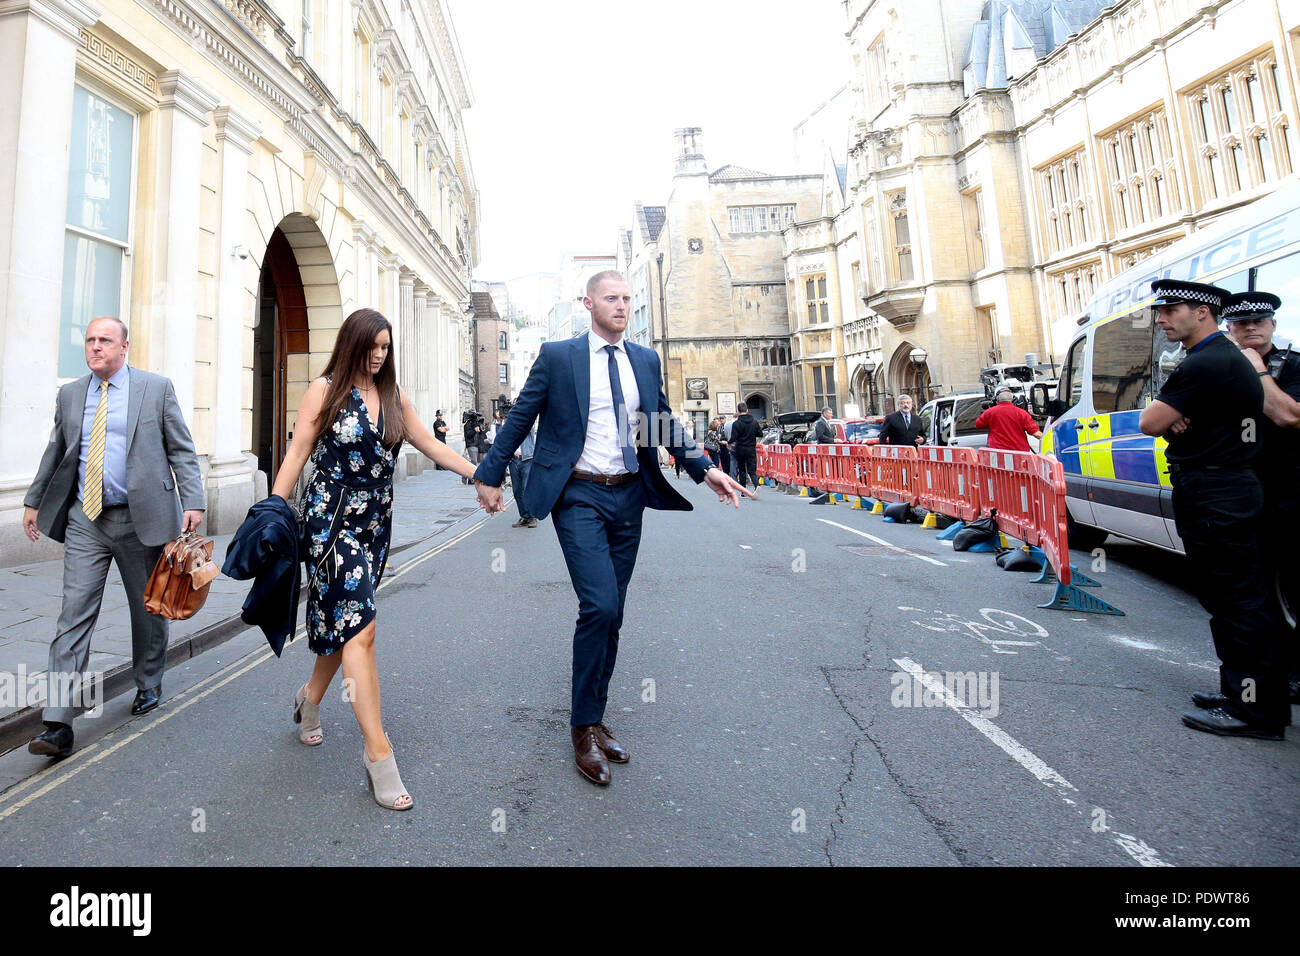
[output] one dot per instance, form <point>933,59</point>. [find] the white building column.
<point>230,484</point>
<point>405,323</point>
<point>182,115</point>
<point>38,56</point>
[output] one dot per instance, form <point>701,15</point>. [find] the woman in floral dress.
<point>352,423</point>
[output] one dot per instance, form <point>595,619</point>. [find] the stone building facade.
<point>491,340</point>
<point>232,178</point>
<point>721,324</point>
<point>1006,157</point>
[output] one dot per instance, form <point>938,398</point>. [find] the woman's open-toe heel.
<point>307,716</point>
<point>384,781</point>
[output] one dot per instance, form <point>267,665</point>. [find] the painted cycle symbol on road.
<point>993,621</point>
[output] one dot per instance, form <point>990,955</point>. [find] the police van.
<point>1117,479</point>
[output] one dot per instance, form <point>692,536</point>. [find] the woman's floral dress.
<point>346,520</point>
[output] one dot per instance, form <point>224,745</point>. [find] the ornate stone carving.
<point>119,63</point>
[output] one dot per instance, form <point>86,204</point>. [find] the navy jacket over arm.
<point>266,548</point>
<point>558,395</point>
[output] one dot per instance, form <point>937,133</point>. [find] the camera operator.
<point>475,436</point>
<point>1008,423</point>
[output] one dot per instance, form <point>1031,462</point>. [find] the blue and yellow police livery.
<point>1117,479</point>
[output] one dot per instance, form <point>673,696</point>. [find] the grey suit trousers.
<point>89,548</point>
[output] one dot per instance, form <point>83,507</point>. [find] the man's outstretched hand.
<point>489,498</point>
<point>727,489</point>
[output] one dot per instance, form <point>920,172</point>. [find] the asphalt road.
<point>764,688</point>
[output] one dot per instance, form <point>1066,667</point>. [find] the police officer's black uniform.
<point>1217,502</point>
<point>1278,466</point>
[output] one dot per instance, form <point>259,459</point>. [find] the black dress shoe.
<point>1209,701</point>
<point>146,700</point>
<point>55,742</point>
<point>1219,721</point>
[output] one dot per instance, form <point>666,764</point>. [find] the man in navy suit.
<point>595,470</point>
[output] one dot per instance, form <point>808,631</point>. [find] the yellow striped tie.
<point>92,493</point>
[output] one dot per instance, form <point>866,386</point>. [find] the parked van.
<point>1117,479</point>
<point>950,420</point>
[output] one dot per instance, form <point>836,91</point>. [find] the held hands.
<point>727,489</point>
<point>490,499</point>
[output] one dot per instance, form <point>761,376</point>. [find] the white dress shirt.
<point>602,454</point>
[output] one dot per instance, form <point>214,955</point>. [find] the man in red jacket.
<point>1008,423</point>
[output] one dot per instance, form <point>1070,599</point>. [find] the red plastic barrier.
<point>1049,492</point>
<point>1026,490</point>
<point>949,481</point>
<point>893,473</point>
<point>1007,485</point>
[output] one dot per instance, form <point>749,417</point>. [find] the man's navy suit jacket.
<point>558,392</point>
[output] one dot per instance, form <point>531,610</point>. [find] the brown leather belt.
<point>622,479</point>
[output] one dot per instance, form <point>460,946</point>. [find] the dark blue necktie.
<point>620,416</point>
<point>907,420</point>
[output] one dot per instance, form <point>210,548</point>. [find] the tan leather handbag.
<point>181,578</point>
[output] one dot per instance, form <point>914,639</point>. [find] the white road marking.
<point>79,761</point>
<point>1133,642</point>
<point>882,541</point>
<point>745,547</point>
<point>1134,847</point>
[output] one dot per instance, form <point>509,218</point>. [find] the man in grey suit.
<point>107,488</point>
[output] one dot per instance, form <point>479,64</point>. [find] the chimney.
<point>690,151</point>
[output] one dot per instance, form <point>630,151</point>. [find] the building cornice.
<point>69,17</point>
<point>183,93</point>
<point>235,129</point>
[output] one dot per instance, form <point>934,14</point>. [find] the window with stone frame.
<point>824,387</point>
<point>1140,171</point>
<point>877,81</point>
<point>902,235</point>
<point>1072,289</point>
<point>815,296</point>
<point>870,227</point>
<point>1241,127</point>
<point>99,221</point>
<point>759,218</point>
<point>976,240</point>
<point>1063,197</point>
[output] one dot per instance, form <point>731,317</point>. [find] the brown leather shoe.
<point>611,747</point>
<point>588,756</point>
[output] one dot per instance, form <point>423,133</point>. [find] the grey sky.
<point>576,102</point>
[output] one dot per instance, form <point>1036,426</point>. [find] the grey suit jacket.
<point>159,460</point>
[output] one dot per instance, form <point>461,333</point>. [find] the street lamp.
<point>870,366</point>
<point>918,356</point>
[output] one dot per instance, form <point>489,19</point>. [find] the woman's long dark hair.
<point>350,360</point>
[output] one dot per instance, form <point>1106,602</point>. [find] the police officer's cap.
<point>1250,305</point>
<point>1178,291</point>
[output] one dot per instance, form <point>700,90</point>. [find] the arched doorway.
<point>908,377</point>
<point>297,292</point>
<point>758,405</point>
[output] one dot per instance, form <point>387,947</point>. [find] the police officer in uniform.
<point>1251,323</point>
<point>1210,411</point>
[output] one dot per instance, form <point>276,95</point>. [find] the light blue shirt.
<point>119,392</point>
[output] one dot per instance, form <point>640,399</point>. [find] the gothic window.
<point>1063,200</point>
<point>1243,128</point>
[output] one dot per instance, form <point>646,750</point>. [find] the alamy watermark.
<point>974,690</point>
<point>19,689</point>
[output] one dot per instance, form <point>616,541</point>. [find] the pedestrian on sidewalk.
<point>115,499</point>
<point>724,446</point>
<point>589,475</point>
<point>352,423</point>
<point>711,443</point>
<point>689,425</point>
<point>520,465</point>
<point>440,433</point>
<point>744,437</point>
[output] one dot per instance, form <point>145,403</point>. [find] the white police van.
<point>1117,479</point>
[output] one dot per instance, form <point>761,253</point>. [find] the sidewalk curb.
<point>22,725</point>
